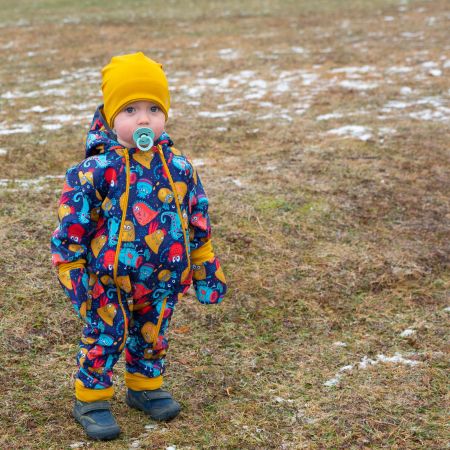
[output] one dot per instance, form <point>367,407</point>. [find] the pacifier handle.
<point>144,138</point>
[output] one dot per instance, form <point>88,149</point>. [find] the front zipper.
<point>119,243</point>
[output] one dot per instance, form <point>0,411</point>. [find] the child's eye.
<point>129,109</point>
<point>154,108</point>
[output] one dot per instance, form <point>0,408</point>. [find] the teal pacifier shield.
<point>144,138</point>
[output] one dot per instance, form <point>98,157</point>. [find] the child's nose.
<point>143,119</point>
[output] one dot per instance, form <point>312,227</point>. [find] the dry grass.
<point>325,239</point>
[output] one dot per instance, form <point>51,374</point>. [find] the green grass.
<point>323,239</point>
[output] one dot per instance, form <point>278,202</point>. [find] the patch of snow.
<point>353,131</point>
<point>405,90</point>
<point>329,116</point>
<point>357,85</point>
<point>389,19</point>
<point>351,70</point>
<point>3,152</point>
<point>333,381</point>
<point>54,91</point>
<point>74,20</point>
<point>407,332</point>
<point>27,184</point>
<point>282,86</point>
<point>198,162</point>
<point>447,309</point>
<point>59,118</point>
<point>10,95</point>
<point>442,115</point>
<point>77,445</point>
<point>228,53</point>
<point>397,69</point>
<point>339,344</point>
<point>429,64</point>
<point>366,362</point>
<point>135,444</point>
<point>36,109</point>
<point>237,182</point>
<point>171,447</point>
<point>151,427</point>
<point>52,82</point>
<point>221,129</point>
<point>298,50</point>
<point>386,130</point>
<point>83,106</point>
<point>409,35</point>
<point>283,400</point>
<point>262,84</point>
<point>275,116</point>
<point>51,126</point>
<point>394,104</point>
<point>18,129</point>
<point>255,95</point>
<point>309,78</point>
<point>435,72</point>
<point>397,358</point>
<point>216,114</point>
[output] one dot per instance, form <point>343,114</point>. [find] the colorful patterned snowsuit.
<point>130,223</point>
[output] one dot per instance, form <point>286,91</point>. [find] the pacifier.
<point>144,138</point>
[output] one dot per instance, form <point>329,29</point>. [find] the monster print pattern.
<point>126,232</point>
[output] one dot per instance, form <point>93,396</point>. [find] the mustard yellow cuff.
<point>65,267</point>
<point>85,394</point>
<point>138,382</point>
<point>202,254</point>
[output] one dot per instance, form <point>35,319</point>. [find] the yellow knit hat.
<point>131,78</point>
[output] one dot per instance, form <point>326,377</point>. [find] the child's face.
<point>135,115</point>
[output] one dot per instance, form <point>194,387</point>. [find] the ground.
<point>320,130</point>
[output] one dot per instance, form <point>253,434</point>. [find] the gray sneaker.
<point>96,419</point>
<point>158,404</point>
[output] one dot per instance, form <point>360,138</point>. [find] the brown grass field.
<point>321,131</point>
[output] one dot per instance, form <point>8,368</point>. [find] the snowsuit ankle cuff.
<point>85,394</point>
<point>138,382</point>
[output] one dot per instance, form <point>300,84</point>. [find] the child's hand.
<point>209,282</point>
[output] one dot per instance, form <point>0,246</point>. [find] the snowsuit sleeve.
<point>208,277</point>
<point>78,212</point>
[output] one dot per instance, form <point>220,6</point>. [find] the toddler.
<point>134,233</point>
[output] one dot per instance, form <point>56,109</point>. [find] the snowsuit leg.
<point>102,342</point>
<point>147,342</point>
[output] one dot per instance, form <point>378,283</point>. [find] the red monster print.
<point>143,213</point>
<point>108,259</point>
<point>175,252</point>
<point>76,232</point>
<point>111,176</point>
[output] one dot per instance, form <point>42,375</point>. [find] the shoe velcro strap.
<point>94,406</point>
<point>157,394</point>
